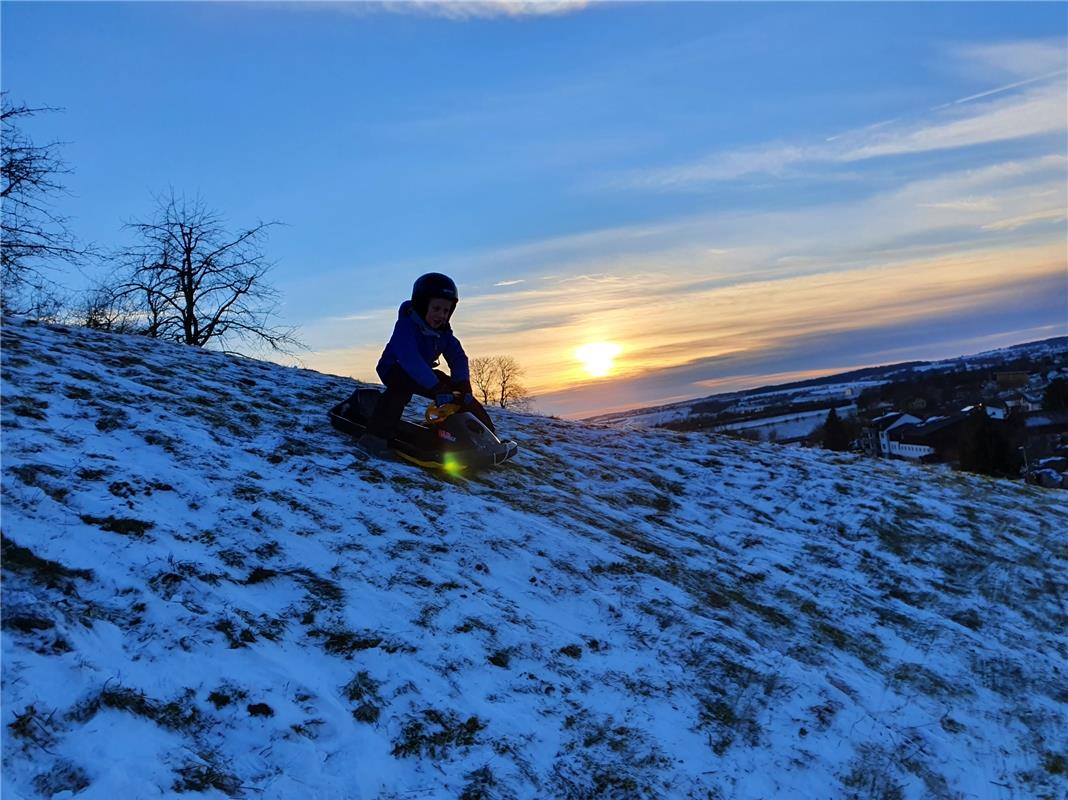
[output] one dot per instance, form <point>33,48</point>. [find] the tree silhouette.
<point>835,433</point>
<point>1055,398</point>
<point>33,236</point>
<point>985,446</point>
<point>193,281</point>
<point>495,381</point>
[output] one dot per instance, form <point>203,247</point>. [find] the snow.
<point>786,426</point>
<point>206,592</point>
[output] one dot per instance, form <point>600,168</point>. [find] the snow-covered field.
<point>206,593</point>
<point>786,426</point>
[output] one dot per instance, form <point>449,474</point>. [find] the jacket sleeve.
<point>406,349</point>
<point>456,359</point>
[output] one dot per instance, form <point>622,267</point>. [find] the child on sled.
<point>420,337</point>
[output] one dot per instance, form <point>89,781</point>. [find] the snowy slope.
<point>206,594</point>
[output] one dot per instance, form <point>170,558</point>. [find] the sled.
<point>448,439</point>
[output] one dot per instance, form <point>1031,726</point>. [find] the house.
<point>1045,432</point>
<point>1032,400</point>
<point>935,439</point>
<point>998,411</point>
<point>876,437</point>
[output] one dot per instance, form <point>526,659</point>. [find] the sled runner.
<point>449,439</point>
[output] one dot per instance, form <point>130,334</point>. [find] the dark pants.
<point>399,390</point>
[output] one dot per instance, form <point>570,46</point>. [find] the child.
<point>421,336</point>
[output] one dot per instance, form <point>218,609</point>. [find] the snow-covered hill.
<point>206,593</point>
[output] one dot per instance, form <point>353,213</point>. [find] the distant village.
<point>1008,420</point>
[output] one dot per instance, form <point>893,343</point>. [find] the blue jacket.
<point>417,347</point>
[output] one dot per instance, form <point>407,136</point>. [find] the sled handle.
<point>435,415</point>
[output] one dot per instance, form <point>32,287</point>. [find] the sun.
<point>598,358</point>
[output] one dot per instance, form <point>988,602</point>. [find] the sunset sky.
<point>718,195</point>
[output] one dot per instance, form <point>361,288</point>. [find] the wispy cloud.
<point>1020,59</point>
<point>1040,110</point>
<point>461,10</point>
<point>449,9</point>
<point>1033,106</point>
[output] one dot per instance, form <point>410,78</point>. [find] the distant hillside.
<point>839,386</point>
<point>207,593</point>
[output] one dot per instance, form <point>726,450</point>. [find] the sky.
<point>714,196</point>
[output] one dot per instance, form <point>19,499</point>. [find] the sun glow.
<point>598,358</point>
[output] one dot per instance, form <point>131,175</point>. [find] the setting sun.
<point>598,358</point>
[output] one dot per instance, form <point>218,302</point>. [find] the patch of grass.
<point>89,474</point>
<point>248,493</point>
<point>121,525</point>
<point>474,623</point>
<point>52,574</point>
<point>926,680</point>
<point>657,501</point>
<point>1055,763</point>
<point>434,733</point>
<point>26,406</point>
<point>226,694</point>
<point>950,725</point>
<point>500,658</point>
<point>969,618</point>
<point>572,651</point>
<point>259,710</point>
<point>260,575</point>
<point>111,420</point>
<point>870,778</point>
<point>364,691</point>
<point>64,776</point>
<point>612,568</point>
<point>180,714</point>
<point>75,392</point>
<point>26,623</point>
<point>32,726</point>
<point>202,777</point>
<point>345,643</point>
<point>167,443</point>
<point>236,638</point>
<point>479,786</point>
<point>320,588</point>
<point>30,474</point>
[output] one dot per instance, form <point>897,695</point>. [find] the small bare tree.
<point>495,380</point>
<point>100,309</point>
<point>32,234</point>
<point>195,282</point>
<point>483,381</point>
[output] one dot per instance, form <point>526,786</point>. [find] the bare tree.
<point>195,282</point>
<point>495,380</point>
<point>32,234</point>
<point>483,378</point>
<point>102,309</point>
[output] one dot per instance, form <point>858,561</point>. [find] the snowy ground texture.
<point>207,594</point>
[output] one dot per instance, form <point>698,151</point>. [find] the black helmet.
<point>432,285</point>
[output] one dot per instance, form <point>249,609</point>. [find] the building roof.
<point>917,434</point>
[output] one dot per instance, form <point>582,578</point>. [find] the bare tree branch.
<point>495,379</point>
<point>33,237</point>
<point>197,284</point>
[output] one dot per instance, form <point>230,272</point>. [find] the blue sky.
<point>732,193</point>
